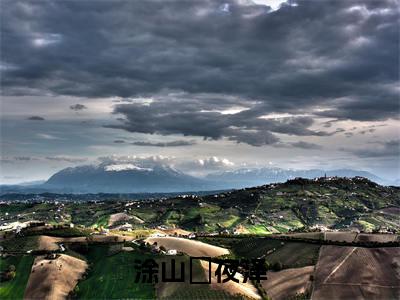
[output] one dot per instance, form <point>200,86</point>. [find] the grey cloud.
<point>348,134</point>
<point>164,144</point>
<point>69,159</point>
<point>389,148</point>
<point>195,117</point>
<point>119,141</point>
<point>78,107</point>
<point>299,144</point>
<point>306,145</point>
<point>24,158</point>
<point>294,59</point>
<point>36,118</point>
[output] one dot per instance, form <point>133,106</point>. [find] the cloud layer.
<point>323,58</point>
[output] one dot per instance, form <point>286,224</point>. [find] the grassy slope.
<point>15,288</point>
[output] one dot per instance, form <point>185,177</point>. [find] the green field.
<point>101,222</point>
<point>113,277</point>
<point>15,288</point>
<point>257,229</point>
<point>20,244</point>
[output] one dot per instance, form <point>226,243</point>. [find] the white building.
<point>172,252</point>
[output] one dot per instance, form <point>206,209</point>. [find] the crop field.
<point>14,289</point>
<point>380,238</point>
<point>295,255</point>
<point>340,236</point>
<point>21,244</point>
<point>257,229</point>
<point>354,272</point>
<point>253,247</point>
<point>113,277</point>
<point>288,283</point>
<point>307,235</point>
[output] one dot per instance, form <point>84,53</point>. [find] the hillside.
<point>337,203</point>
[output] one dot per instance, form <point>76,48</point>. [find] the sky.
<point>202,85</point>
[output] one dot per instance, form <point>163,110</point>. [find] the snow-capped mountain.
<point>125,178</point>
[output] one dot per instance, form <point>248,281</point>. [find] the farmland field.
<point>287,283</point>
<point>295,255</point>
<point>353,272</point>
<point>255,247</point>
<point>14,289</point>
<point>21,244</point>
<point>112,277</point>
<point>380,238</point>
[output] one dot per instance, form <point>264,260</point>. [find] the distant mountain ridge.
<point>260,176</point>
<point>125,178</point>
<point>159,178</point>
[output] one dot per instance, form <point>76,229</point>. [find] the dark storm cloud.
<point>196,118</point>
<point>119,141</point>
<point>36,118</point>
<point>78,107</point>
<point>338,55</point>
<point>165,144</point>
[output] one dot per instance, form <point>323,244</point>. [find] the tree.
<point>11,268</point>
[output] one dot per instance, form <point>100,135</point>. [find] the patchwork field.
<point>353,273</point>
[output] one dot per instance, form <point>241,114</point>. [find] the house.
<point>125,227</point>
<point>172,252</point>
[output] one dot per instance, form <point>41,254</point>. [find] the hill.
<point>298,204</point>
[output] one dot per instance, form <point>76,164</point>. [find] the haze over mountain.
<point>111,177</point>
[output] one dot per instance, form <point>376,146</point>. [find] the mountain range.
<point>130,178</point>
